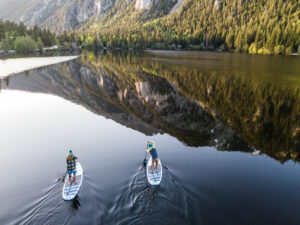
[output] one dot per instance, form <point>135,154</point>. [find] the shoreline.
<point>12,66</point>
<point>187,50</point>
<point>12,52</point>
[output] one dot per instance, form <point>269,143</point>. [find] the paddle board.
<point>71,190</point>
<point>154,178</point>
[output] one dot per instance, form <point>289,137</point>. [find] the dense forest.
<point>254,26</point>
<point>18,37</point>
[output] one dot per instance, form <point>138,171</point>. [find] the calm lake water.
<point>226,126</point>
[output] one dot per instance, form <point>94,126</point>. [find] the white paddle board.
<point>154,178</point>
<point>71,190</point>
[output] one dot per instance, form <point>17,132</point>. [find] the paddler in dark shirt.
<point>71,166</point>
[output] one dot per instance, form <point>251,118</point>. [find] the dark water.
<point>208,113</point>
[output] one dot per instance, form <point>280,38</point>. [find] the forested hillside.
<point>255,26</point>
<point>19,37</point>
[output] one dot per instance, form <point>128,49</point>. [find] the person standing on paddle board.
<point>71,166</point>
<point>153,152</point>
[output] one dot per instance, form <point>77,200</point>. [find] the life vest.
<point>153,146</point>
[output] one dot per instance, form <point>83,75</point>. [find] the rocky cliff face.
<point>12,9</point>
<point>61,15</point>
<point>147,4</point>
<point>65,15</point>
<point>177,5</point>
<point>143,4</point>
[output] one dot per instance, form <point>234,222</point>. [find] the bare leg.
<point>152,166</point>
<point>74,178</point>
<point>70,180</point>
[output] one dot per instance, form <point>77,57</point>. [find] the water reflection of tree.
<point>159,104</point>
<point>265,114</point>
<point>7,80</point>
<point>4,81</point>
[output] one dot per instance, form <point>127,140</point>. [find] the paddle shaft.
<point>145,161</point>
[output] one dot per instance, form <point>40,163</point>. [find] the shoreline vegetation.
<point>77,49</point>
<point>18,38</point>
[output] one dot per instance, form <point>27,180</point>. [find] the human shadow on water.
<point>141,203</point>
<point>76,203</point>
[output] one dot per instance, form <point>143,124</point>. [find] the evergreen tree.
<point>11,32</point>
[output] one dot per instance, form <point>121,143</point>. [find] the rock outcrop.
<point>143,4</point>
<point>61,15</point>
<point>177,5</point>
<point>147,4</point>
<point>218,4</point>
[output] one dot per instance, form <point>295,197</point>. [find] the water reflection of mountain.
<point>144,102</point>
<point>192,104</point>
<point>266,114</point>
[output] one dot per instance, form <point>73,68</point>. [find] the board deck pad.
<point>154,178</point>
<point>71,190</point>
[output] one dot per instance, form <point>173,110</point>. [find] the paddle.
<point>145,160</point>
<point>65,176</point>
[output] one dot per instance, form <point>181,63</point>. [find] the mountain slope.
<point>65,15</point>
<point>61,15</point>
<point>12,9</point>
<point>255,26</point>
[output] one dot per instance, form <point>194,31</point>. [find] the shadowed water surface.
<point>208,113</point>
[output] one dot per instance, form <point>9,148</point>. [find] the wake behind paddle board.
<point>154,178</point>
<point>71,190</point>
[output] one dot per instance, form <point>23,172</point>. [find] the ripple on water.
<point>50,208</point>
<point>137,203</point>
<point>141,203</point>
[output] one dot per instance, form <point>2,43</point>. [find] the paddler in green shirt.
<point>152,150</point>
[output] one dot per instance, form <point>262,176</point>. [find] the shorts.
<point>154,154</point>
<point>70,172</point>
